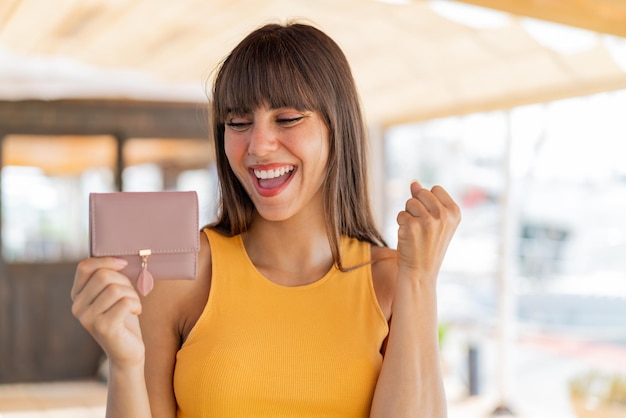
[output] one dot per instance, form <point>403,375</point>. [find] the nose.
<point>263,138</point>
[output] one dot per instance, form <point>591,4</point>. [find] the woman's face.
<point>279,156</point>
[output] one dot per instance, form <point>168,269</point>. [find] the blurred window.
<point>569,202</point>
<point>154,164</point>
<point>45,183</point>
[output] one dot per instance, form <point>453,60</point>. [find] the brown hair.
<point>296,65</point>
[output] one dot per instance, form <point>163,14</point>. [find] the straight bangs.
<point>268,71</point>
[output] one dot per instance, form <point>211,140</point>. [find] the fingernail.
<point>120,262</point>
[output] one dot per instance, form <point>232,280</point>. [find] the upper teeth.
<point>270,174</point>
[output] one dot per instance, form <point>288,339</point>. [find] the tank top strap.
<point>222,244</point>
<point>354,253</point>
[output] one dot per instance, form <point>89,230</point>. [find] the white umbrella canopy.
<point>412,61</point>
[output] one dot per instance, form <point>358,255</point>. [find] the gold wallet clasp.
<point>144,254</point>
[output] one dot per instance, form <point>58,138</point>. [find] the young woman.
<point>299,308</point>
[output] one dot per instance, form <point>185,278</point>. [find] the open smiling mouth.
<point>272,179</point>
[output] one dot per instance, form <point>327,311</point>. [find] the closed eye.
<point>238,126</point>
<point>289,121</point>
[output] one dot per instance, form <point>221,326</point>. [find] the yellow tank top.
<point>260,349</point>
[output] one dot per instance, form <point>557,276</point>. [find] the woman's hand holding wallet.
<point>135,237</point>
<point>107,305</point>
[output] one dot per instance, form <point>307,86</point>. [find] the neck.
<point>292,252</point>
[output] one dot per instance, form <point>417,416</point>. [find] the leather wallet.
<point>156,232</point>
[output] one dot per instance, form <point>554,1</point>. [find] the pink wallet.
<point>156,232</point>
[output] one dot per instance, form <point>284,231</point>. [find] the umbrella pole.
<point>506,300</point>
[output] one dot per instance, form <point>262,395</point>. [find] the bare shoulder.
<point>384,276</point>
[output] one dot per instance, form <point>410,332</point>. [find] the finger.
<point>415,207</point>
<point>97,283</point>
<point>424,202</point>
<point>109,321</point>
<point>443,196</point>
<point>404,225</point>
<point>403,217</point>
<point>446,200</point>
<point>108,298</point>
<point>90,319</point>
<point>425,196</point>
<point>86,268</point>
